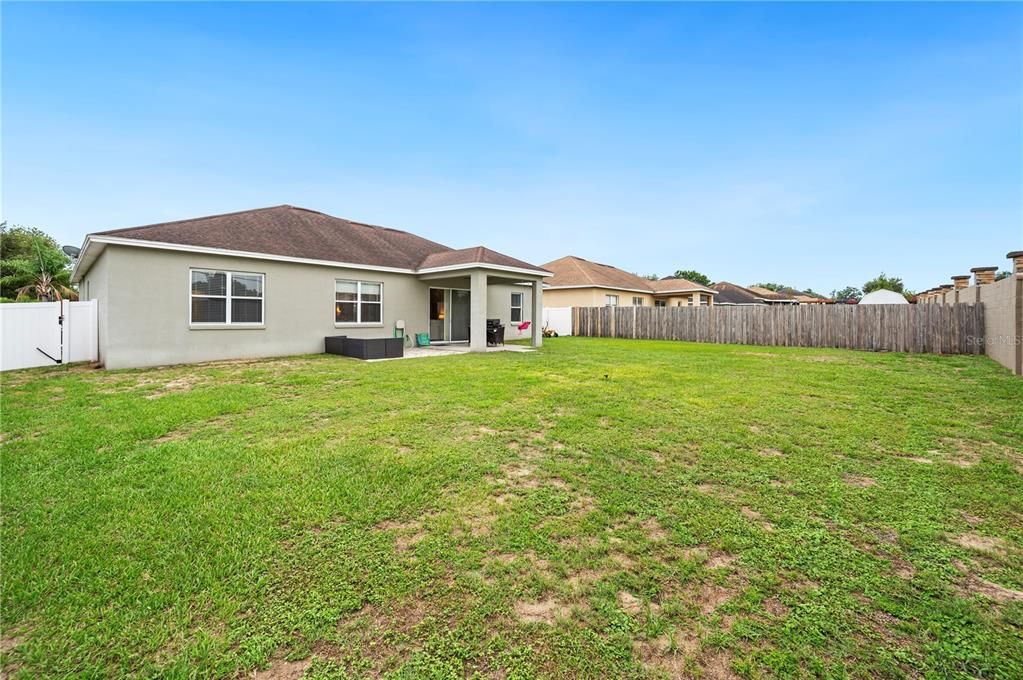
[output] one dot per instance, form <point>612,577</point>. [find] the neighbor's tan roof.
<point>577,272</point>
<point>676,284</point>
<point>769,294</point>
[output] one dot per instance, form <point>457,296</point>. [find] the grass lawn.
<point>603,508</point>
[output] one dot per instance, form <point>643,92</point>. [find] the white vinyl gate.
<point>558,319</point>
<point>47,333</point>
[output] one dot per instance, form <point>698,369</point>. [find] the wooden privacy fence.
<point>939,329</point>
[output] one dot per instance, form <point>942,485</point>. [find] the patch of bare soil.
<point>919,459</point>
<point>774,607</point>
<point>717,665</point>
<point>283,670</point>
<point>755,429</point>
<point>972,520</point>
<point>653,530</point>
<point>719,559</point>
<point>860,481</point>
<point>545,611</point>
<point>975,541</point>
<point>407,534</point>
<point>771,453</point>
<point>183,384</point>
<point>974,585</point>
<point>754,516</point>
<point>668,653</point>
<point>717,491</point>
<point>7,643</point>
<point>634,606</point>
<point>378,634</point>
<point>709,596</point>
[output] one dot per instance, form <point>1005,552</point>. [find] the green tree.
<point>776,287</point>
<point>694,276</point>
<point>846,294</point>
<point>648,277</point>
<point>32,265</point>
<point>1004,274</point>
<point>883,281</point>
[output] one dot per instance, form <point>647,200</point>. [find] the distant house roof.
<point>734,294</point>
<point>298,233</point>
<point>576,272</point>
<point>771,295</point>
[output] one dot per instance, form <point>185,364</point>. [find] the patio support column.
<point>537,325</point>
<point>478,311</point>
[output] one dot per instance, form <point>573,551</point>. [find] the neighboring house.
<point>883,296</point>
<point>732,294</point>
<point>276,281</point>
<point>580,283</point>
<point>771,297</point>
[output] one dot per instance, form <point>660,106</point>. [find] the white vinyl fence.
<point>558,319</point>
<point>29,331</point>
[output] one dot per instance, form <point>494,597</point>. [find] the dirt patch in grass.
<point>717,491</point>
<point>919,459</point>
<point>979,542</point>
<point>668,653</point>
<point>859,481</point>
<point>973,585</point>
<point>183,384</point>
<point>7,643</point>
<point>770,453</point>
<point>653,530</point>
<point>634,606</point>
<point>545,611</point>
<point>754,516</point>
<point>774,607</point>
<point>283,670</point>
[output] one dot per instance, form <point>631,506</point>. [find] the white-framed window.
<point>358,302</point>
<point>611,300</point>
<point>637,301</point>
<point>225,298</point>
<point>689,301</point>
<point>516,307</point>
<point>660,303</point>
<point>704,299</point>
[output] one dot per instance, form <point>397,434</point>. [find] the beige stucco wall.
<point>95,287</point>
<point>591,297</point>
<point>1002,320</point>
<point>144,307</point>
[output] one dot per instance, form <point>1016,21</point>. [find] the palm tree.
<point>45,288</point>
<point>48,277</point>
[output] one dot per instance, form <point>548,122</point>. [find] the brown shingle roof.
<point>732,294</point>
<point>472,255</point>
<point>675,284</point>
<point>769,294</point>
<point>575,271</point>
<point>297,232</point>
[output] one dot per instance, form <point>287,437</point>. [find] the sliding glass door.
<point>449,315</point>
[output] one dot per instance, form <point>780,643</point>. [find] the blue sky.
<point>814,145</point>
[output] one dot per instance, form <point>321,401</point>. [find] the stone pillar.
<point>537,325</point>
<point>983,275</point>
<point>478,311</point>
<point>960,282</point>
<point>944,289</point>
<point>1017,260</point>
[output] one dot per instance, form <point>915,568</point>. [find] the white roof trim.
<point>101,240</point>
<point>483,265</point>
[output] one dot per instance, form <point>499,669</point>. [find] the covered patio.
<point>482,272</point>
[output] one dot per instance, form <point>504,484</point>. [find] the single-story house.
<point>733,295</point>
<point>576,282</point>
<point>276,281</point>
<point>773,297</point>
